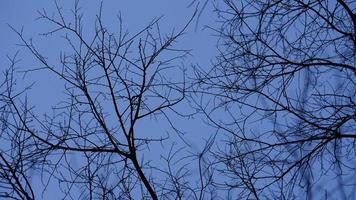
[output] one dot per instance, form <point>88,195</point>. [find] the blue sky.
<point>47,90</point>
<point>136,14</point>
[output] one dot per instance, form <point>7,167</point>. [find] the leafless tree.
<point>91,147</point>
<point>15,162</point>
<point>281,95</point>
<point>283,88</point>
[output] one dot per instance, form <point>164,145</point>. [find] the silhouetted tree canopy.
<point>285,79</point>
<point>279,99</point>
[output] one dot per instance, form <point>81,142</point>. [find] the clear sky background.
<point>136,14</point>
